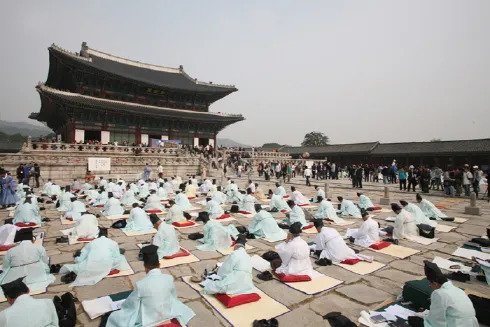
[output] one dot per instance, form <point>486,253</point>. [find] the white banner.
<point>99,164</point>
<point>79,135</point>
<point>105,137</point>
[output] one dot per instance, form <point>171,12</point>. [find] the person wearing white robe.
<point>327,211</point>
<point>75,210</point>
<point>134,188</point>
<point>138,220</point>
<point>7,234</point>
<point>216,235</point>
<point>102,182</point>
<point>233,194</point>
<point>128,198</point>
<point>404,223</point>
<point>294,254</point>
<point>112,206</point>
<point>234,276</point>
<point>64,199</point>
<point>331,245</point>
<point>319,193</point>
<point>25,310</point>
<point>295,215</point>
<point>47,187</point>
<point>364,202</point>
<point>96,261</point>
<point>27,212</point>
<point>162,192</point>
<point>219,196</point>
<point>86,227</point>
<point>143,191</point>
<point>265,226</point>
<point>416,212</point>
<point>101,198</point>
<point>175,183</point>
<point>259,193</point>
<point>367,234</point>
<point>117,190</point>
<point>298,197</point>
<point>182,200</point>
<point>168,186</point>
<point>175,213</point>
<point>278,203</point>
<point>86,186</point>
<point>248,202</point>
<point>29,260</point>
<point>348,208</point>
<point>153,300</point>
<point>166,238</point>
<point>429,209</point>
<point>204,188</point>
<point>280,190</point>
<point>153,202</point>
<point>214,209</point>
<point>251,186</point>
<point>190,190</point>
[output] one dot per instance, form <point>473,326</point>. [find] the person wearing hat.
<point>259,193</point>
<point>248,202</point>
<point>86,227</point>
<point>138,220</point>
<point>298,197</point>
<point>449,305</point>
<point>191,189</point>
<point>153,202</point>
<point>404,223</point>
<point>153,299</point>
<point>182,200</point>
<point>429,209</point>
<point>216,235</point>
<point>64,199</point>
<point>213,208</point>
<point>364,202</point>
<point>280,190</point>
<point>101,198</point>
<point>113,206</point>
<point>326,211</point>
<point>232,193</point>
<point>296,214</point>
<point>416,212</point>
<point>319,193</point>
<point>234,276</point>
<point>175,213</point>
<point>27,212</point>
<point>332,246</point>
<point>265,226</point>
<point>412,177</point>
<point>75,209</point>
<point>219,196</point>
<point>27,260</point>
<point>25,310</point>
<point>128,197</point>
<point>278,203</point>
<point>348,208</point>
<point>95,261</point>
<point>294,254</point>
<point>367,233</point>
<point>162,192</point>
<point>166,238</point>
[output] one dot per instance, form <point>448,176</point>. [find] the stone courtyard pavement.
<point>356,293</point>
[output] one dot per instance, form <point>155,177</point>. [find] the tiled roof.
<point>354,148</point>
<point>437,147</point>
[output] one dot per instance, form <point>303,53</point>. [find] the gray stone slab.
<point>339,273</point>
<point>396,275</point>
<point>205,315</point>
<point>283,293</point>
<point>203,255</point>
<point>105,287</point>
<point>363,293</point>
<point>331,302</point>
<point>407,266</point>
<point>392,287</point>
<point>301,317</point>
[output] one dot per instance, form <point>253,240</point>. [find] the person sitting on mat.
<point>348,208</point>
<point>234,276</point>
<point>175,213</point>
<point>319,193</point>
<point>113,206</point>
<point>64,199</point>
<point>128,197</point>
<point>75,210</point>
<point>182,200</point>
<point>153,300</point>
<point>404,225</point>
<point>219,196</point>
<point>429,209</point>
<point>166,238</point>
<point>416,212</point>
<point>294,254</point>
<point>259,193</point>
<point>213,208</point>
<point>295,215</point>
<point>298,197</point>
<point>280,190</point>
<point>364,202</point>
<point>265,226</point>
<point>233,195</point>
<point>277,203</point>
<point>86,227</point>
<point>216,235</point>
<point>367,234</point>
<point>449,305</point>
<point>101,198</point>
<point>27,212</point>
<point>138,220</point>
<point>248,202</point>
<point>153,202</point>
<point>327,211</point>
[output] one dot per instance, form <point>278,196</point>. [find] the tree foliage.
<point>315,139</point>
<point>271,145</point>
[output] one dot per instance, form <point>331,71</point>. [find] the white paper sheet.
<point>399,311</point>
<point>97,307</point>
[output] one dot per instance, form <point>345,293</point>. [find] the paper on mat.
<point>445,264</point>
<point>400,311</point>
<point>421,240</point>
<point>468,254</point>
<point>97,307</point>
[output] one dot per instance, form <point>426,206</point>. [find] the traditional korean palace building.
<point>97,96</point>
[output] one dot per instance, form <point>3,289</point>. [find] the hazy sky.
<point>358,71</point>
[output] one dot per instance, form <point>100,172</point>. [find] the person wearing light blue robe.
<point>348,208</point>
<point>417,214</point>
<point>146,173</point>
<point>278,203</point>
<point>219,196</point>
<point>101,198</point>
<point>364,201</point>
<point>175,213</point>
<point>112,206</point>
<point>133,187</point>
<point>86,186</point>
<point>75,209</point>
<point>167,185</point>
<point>429,209</point>
<point>153,300</point>
<point>138,220</point>
<point>46,187</point>
<point>182,200</point>
<point>8,188</point>
<point>265,226</point>
<point>166,238</point>
<point>327,211</point>
<point>295,215</point>
<point>248,202</point>
<point>64,200</point>
<point>162,193</point>
<point>29,260</point>
<point>87,226</point>
<point>214,209</point>
<point>280,190</point>
<point>233,195</point>
<point>27,212</point>
<point>234,275</point>
<point>143,191</point>
<point>128,198</point>
<point>40,312</point>
<point>153,202</point>
<point>319,193</point>
<point>96,260</point>
<point>216,236</point>
<point>54,190</point>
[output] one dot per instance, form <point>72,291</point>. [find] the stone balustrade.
<point>260,154</point>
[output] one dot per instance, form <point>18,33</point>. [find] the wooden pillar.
<point>137,135</point>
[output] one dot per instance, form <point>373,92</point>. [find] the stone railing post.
<point>472,209</point>
<point>385,200</point>
<point>326,189</point>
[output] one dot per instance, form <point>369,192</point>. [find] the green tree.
<point>315,139</point>
<point>271,145</point>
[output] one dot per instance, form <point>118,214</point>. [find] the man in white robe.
<point>162,192</point>
<point>367,234</point>
<point>251,186</point>
<point>153,202</point>
<point>348,208</point>
<point>167,185</point>
<point>429,209</point>
<point>64,199</point>
<point>295,215</point>
<point>233,194</point>
<point>416,212</point>
<point>298,197</point>
<point>138,220</point>
<point>113,206</point>
<point>7,234</point>
<point>214,209</point>
<point>75,210</point>
<point>265,226</point>
<point>27,212</point>
<point>101,198</point>
<point>259,193</point>
<point>182,200</point>
<point>166,238</point>
<point>219,196</point>
<point>216,235</point>
<point>319,193</point>
<point>128,197</point>
<point>404,223</point>
<point>248,202</point>
<point>86,227</point>
<point>326,211</point>
<point>280,190</point>
<point>364,202</point>
<point>278,203</point>
<point>175,213</point>
<point>190,190</point>
<point>47,187</point>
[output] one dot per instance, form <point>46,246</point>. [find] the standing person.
<point>402,178</point>
<point>476,180</point>
<point>8,187</point>
<point>160,170</point>
<point>412,178</point>
<point>26,174</point>
<point>37,174</point>
<point>359,176</point>
<point>393,172</point>
<point>239,169</point>
<point>307,174</point>
<point>289,172</point>
<point>19,172</point>
<point>146,172</point>
<point>458,181</point>
<point>467,178</point>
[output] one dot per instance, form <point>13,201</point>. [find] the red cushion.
<point>25,224</point>
<point>293,278</point>
<point>309,226</point>
<point>191,197</point>
<point>224,216</point>
<point>186,223</point>
<point>244,212</point>
<point>6,247</point>
<point>153,211</point>
<point>99,206</point>
<point>284,211</point>
<point>303,205</point>
<point>376,208</point>
<point>350,261</point>
<point>85,239</point>
<point>380,245</point>
<point>285,196</point>
<point>181,253</point>
<point>440,206</point>
<point>114,272</point>
<point>231,301</point>
<point>172,323</point>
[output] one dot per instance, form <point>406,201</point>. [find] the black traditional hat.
<point>295,228</point>
<point>154,218</point>
<point>433,272</point>
<point>150,256</point>
<point>395,207</point>
<point>15,288</point>
<point>241,240</point>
